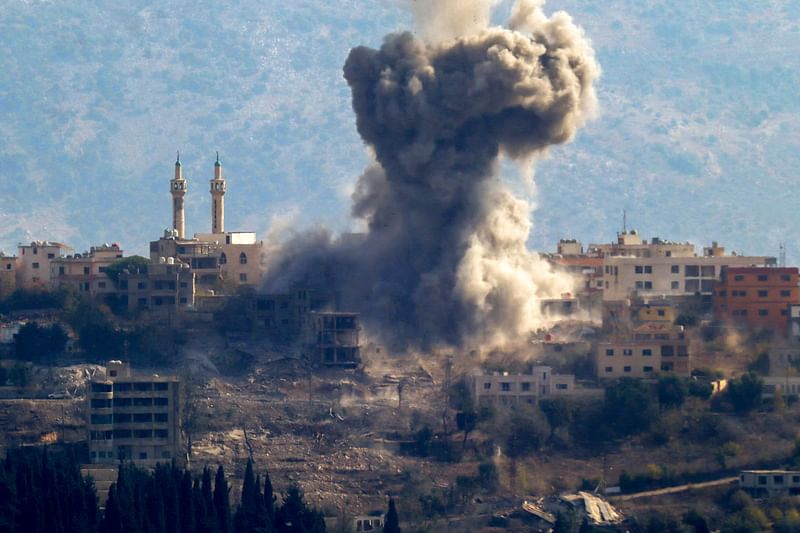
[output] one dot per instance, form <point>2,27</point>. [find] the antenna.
<point>782,255</point>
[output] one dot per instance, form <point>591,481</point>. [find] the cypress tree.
<point>391,523</point>
<point>221,503</point>
<point>269,501</point>
<point>209,524</point>
<point>112,520</point>
<point>8,501</point>
<point>186,504</point>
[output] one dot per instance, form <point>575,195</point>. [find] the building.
<point>631,244</point>
<point>334,338</point>
<point>503,388</point>
<point>166,289</point>
<point>8,274</point>
<point>86,272</point>
<point>286,316</point>
<point>764,482</point>
<point>647,350</point>
<point>134,417</point>
<point>217,258</point>
<point>669,275</point>
<point>758,298</point>
<point>33,263</point>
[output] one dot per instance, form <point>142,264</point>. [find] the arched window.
<point>242,258</point>
<point>223,258</point>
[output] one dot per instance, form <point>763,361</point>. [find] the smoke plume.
<point>444,260</point>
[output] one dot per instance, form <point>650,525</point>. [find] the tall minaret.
<point>178,188</point>
<point>218,199</point>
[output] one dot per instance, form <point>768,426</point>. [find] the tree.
<point>696,521</point>
<point>38,343</point>
<point>559,413</point>
<point>221,504</point>
<point>294,516</point>
<point>391,523</point>
<point>744,393</point>
<point>628,407</point>
<point>134,264</point>
<point>488,477</point>
<point>672,391</point>
<point>528,431</point>
<point>566,522</point>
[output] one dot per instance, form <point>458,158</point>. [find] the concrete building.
<point>764,482</point>
<point>134,417</point>
<point>8,274</point>
<point>33,263</point>
<point>514,389</point>
<point>287,316</point>
<point>86,272</point>
<point>166,289</point>
<point>669,275</point>
<point>788,385</point>
<point>334,339</point>
<point>631,244</point>
<point>758,298</point>
<point>646,351</point>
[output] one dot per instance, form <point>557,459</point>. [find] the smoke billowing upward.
<point>444,261</point>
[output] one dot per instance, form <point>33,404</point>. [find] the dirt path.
<point>673,490</point>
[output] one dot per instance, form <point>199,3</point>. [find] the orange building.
<point>757,297</point>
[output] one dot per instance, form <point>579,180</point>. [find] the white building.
<point>33,263</point>
<point>502,388</point>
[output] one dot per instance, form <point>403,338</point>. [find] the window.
<point>101,387</point>
<point>223,259</point>
<point>692,271</point>
<point>161,417</point>
<point>184,285</point>
<point>660,312</point>
<point>626,369</point>
<point>763,294</point>
<point>51,256</point>
<point>667,351</point>
<point>143,434</point>
<point>778,480</point>
<point>609,370</point>
<point>142,387</point>
<point>505,387</point>
<point>101,404</point>
<point>762,480</point>
<point>142,417</point>
<point>648,269</point>
<point>647,352</point>
<point>707,271</point>
<point>675,269</point>
<point>609,351</point>
<point>142,402</point>
<point>648,284</point>
<point>141,285</point>
<point>243,277</point>
<point>762,277</point>
<point>122,433</point>
<point>101,419</point>
<point>627,351</point>
<point>674,285</point>
<point>786,294</point>
<point>142,455</point>
<point>242,258</point>
<point>795,479</point>
<point>160,386</point>
<point>35,265</point>
<point>785,277</point>
<point>161,433</point>
<point>784,312</point>
<point>526,386</point>
<point>723,294</point>
<point>738,277</point>
<point>160,401</point>
<point>122,402</point>
<point>101,284</point>
<point>562,386</point>
<point>638,269</point>
<point>692,285</point>
<point>640,285</point>
<point>763,312</point>
<point>487,386</point>
<point>122,418</point>
<point>648,369</point>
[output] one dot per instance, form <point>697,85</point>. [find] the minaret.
<point>218,199</point>
<point>178,188</point>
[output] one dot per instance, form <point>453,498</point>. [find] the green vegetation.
<point>39,343</point>
<point>134,264</point>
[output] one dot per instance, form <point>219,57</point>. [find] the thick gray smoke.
<point>444,261</point>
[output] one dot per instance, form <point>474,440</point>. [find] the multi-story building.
<point>631,244</point>
<point>8,274</point>
<point>647,350</point>
<point>758,298</point>
<point>167,288</point>
<point>134,417</point>
<point>503,388</point>
<point>33,263</point>
<point>334,338</point>
<point>764,482</point>
<point>86,272</point>
<point>669,276</point>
